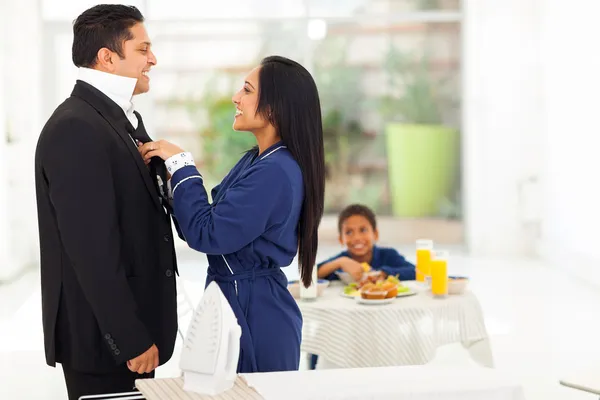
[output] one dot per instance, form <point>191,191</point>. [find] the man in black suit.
<point>107,257</point>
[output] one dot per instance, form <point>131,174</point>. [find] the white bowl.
<point>294,288</point>
<point>457,284</point>
<point>345,277</point>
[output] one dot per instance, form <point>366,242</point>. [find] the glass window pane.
<point>204,52</point>
<point>224,9</point>
<point>68,10</point>
<point>365,8</point>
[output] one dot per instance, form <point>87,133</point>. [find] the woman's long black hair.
<point>289,99</point>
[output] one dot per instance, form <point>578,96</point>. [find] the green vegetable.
<point>402,289</point>
<point>349,290</point>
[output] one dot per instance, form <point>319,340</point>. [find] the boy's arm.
<point>342,262</point>
<point>326,269</point>
<point>395,264</point>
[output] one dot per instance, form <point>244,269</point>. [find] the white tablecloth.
<point>402,383</point>
<point>172,389</point>
<point>587,380</point>
<point>406,332</point>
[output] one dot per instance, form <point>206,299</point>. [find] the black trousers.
<point>85,384</point>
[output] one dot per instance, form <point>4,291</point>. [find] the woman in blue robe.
<point>266,209</point>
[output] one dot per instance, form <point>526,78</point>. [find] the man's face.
<point>138,59</point>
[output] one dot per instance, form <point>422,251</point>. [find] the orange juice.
<point>439,273</point>
<point>424,249</point>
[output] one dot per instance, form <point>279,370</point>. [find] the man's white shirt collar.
<point>118,88</point>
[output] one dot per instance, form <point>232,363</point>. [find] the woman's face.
<point>246,101</point>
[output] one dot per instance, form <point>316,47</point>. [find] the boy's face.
<point>358,235</point>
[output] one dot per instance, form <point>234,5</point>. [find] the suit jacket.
<point>107,257</point>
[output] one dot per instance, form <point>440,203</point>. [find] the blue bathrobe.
<point>249,233</point>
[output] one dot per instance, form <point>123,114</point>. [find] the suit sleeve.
<point>395,264</point>
<point>78,168</point>
<point>257,201</point>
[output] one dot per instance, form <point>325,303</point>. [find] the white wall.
<point>532,109</point>
<point>22,88</point>
<point>5,254</point>
<point>502,102</point>
<point>571,206</point>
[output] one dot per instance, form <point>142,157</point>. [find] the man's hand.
<point>354,268</point>
<point>146,362</point>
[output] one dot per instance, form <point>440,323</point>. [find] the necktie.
<point>156,166</point>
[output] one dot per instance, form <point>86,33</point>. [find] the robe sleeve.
<point>259,200</point>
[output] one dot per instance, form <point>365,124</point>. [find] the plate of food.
<point>360,300</point>
<point>382,289</point>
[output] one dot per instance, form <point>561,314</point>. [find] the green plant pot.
<point>423,164</point>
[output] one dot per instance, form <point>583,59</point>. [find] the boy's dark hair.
<point>357,209</point>
<point>104,25</point>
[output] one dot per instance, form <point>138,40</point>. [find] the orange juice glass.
<point>424,250</point>
<point>439,273</point>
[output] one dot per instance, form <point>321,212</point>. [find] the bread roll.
<point>391,293</point>
<point>373,294</point>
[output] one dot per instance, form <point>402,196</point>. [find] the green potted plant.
<point>222,147</point>
<point>423,153</point>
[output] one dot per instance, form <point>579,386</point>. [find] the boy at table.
<point>357,228</point>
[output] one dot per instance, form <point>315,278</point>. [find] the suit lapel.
<point>142,168</point>
<point>114,115</point>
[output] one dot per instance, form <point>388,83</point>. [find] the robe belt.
<point>246,341</point>
<point>245,275</point>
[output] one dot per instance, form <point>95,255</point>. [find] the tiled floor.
<point>542,325</point>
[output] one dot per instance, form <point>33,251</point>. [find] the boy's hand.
<point>354,268</point>
<point>381,275</point>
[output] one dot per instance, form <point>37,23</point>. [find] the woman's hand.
<point>161,148</point>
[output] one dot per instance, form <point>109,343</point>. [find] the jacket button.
<point>110,341</point>
<point>166,238</point>
<point>107,336</point>
<point>117,352</point>
<point>113,346</point>
<point>169,273</point>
